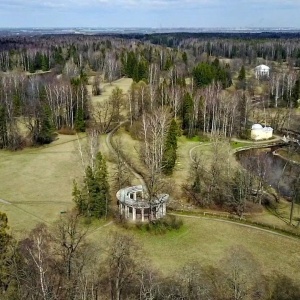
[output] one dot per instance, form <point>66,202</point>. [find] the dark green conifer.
<point>170,155</point>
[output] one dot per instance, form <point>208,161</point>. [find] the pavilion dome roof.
<point>263,67</point>
<point>257,126</point>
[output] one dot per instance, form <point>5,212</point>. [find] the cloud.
<point>138,4</point>
<point>143,13</point>
<point>95,3</point>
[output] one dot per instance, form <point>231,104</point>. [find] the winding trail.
<point>113,151</point>
<point>195,147</point>
<point>260,144</point>
<point>237,224</point>
<point>142,181</point>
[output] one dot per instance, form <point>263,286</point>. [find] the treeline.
<point>249,47</point>
<point>39,106</point>
<point>112,57</point>
<point>61,263</point>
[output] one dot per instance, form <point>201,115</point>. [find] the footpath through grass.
<point>207,241</point>
<point>38,182</point>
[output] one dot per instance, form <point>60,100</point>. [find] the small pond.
<point>276,171</point>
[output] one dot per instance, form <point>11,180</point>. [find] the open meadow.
<point>207,242</point>
<point>36,186</point>
<point>107,88</point>
<point>37,182</point>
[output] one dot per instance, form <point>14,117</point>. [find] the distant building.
<point>261,133</point>
<point>262,71</point>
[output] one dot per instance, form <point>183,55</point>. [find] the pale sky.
<point>150,13</point>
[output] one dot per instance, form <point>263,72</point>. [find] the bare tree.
<point>122,175</point>
<point>154,129</point>
<point>121,262</point>
<point>243,275</point>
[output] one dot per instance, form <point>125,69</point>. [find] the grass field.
<point>107,88</point>
<point>207,242</point>
<point>38,182</point>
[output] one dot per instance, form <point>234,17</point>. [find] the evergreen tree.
<point>170,155</point>
<point>45,63</point>
<point>3,128</point>
<point>79,199</point>
<point>187,112</point>
<point>203,74</point>
<point>184,58</point>
<point>242,79</point>
<point>45,134</point>
<point>101,176</point>
<point>79,123</point>
<point>296,93</point>
<point>93,199</point>
<point>242,74</point>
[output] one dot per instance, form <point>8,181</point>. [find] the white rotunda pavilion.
<point>134,205</point>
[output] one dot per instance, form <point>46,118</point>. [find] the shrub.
<point>162,226</point>
<point>66,131</point>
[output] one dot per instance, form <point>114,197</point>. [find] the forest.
<point>184,88</point>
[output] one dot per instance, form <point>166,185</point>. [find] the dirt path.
<point>237,224</point>
<point>113,151</point>
<point>276,138</point>
<point>195,147</point>
<point>102,226</point>
<point>4,201</point>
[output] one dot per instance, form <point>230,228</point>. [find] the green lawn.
<point>38,182</point>
<point>207,242</point>
<point>235,145</point>
<point>107,88</point>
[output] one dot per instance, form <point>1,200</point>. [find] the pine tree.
<point>101,176</point>
<point>170,155</point>
<point>93,199</point>
<point>92,193</point>
<point>3,128</point>
<point>79,199</point>
<point>45,135</point>
<point>296,93</point>
<point>185,58</point>
<point>187,112</point>
<point>79,122</point>
<point>242,74</point>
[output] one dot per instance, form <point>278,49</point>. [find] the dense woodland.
<point>182,85</point>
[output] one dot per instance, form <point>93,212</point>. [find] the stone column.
<point>133,214</point>
<point>126,212</point>
<point>121,208</point>
<point>143,217</point>
<point>164,209</point>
